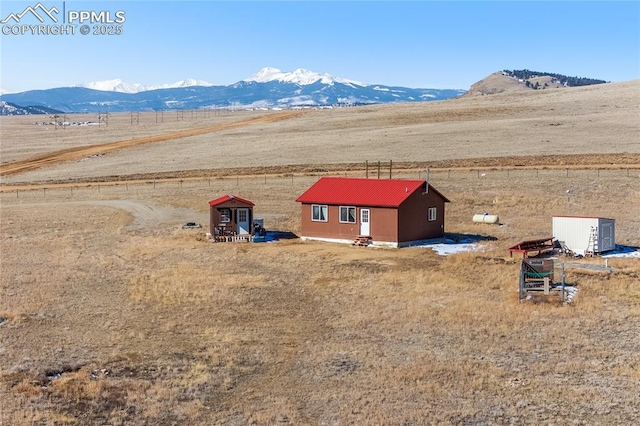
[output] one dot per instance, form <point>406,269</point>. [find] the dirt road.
<point>145,215</point>
<point>86,151</point>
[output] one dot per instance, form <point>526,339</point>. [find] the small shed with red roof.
<point>390,212</point>
<point>231,215</point>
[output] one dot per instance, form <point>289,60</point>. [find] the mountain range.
<point>268,88</point>
<point>7,108</point>
<point>118,85</point>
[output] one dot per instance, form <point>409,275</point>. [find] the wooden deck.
<point>232,238</point>
<point>222,235</point>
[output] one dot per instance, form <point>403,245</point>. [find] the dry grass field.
<point>587,120</point>
<point>111,313</point>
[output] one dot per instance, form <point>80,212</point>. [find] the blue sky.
<point>417,44</point>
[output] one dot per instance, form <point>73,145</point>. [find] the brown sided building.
<point>391,212</point>
<point>231,215</point>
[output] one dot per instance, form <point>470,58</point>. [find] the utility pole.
<point>103,117</point>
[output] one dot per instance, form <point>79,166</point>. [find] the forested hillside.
<point>561,79</point>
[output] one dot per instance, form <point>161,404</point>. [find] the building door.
<point>243,221</point>
<point>364,222</point>
<point>607,237</point>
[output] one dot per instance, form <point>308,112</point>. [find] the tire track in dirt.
<point>145,215</point>
<point>86,151</point>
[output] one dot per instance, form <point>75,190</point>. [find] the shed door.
<point>607,237</point>
<point>364,222</point>
<point>243,221</point>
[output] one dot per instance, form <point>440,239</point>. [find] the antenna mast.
<point>426,178</point>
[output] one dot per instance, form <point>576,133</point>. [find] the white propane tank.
<point>486,218</point>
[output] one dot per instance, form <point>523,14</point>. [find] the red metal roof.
<point>362,192</point>
<point>229,197</point>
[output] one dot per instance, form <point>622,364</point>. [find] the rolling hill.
<point>524,80</point>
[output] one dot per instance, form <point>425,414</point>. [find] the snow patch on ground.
<point>569,294</point>
<point>623,251</point>
<point>448,246</point>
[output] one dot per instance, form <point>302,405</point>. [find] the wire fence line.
<point>532,175</point>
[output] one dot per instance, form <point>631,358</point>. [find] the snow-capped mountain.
<point>117,85</point>
<point>299,76</point>
<point>189,82</point>
<point>268,88</point>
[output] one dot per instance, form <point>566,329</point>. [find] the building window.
<point>319,213</point>
<point>347,214</point>
<point>225,215</point>
<point>432,214</point>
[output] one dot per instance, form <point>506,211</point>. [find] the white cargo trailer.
<point>585,235</point>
